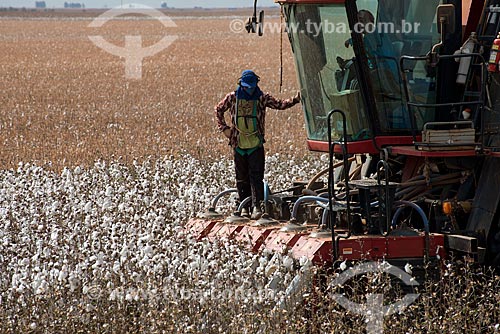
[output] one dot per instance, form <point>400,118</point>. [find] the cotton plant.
<point>114,233</point>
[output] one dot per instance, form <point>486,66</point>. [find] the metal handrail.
<point>387,203</point>
<point>331,190</point>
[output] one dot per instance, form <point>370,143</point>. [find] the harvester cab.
<point>404,83</point>
<point>398,94</point>
<point>377,61</point>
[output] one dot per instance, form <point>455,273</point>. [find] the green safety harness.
<point>249,138</point>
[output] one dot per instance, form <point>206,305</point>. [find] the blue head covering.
<point>248,83</point>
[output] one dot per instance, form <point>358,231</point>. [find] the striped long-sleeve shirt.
<point>265,101</point>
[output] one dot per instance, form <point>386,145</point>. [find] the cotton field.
<point>100,174</point>
<point>111,238</point>
<point>103,250</point>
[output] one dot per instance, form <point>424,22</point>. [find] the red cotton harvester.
<point>408,109</point>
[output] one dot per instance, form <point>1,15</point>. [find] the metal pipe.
<point>388,208</point>
<point>306,199</point>
<point>324,218</point>
<point>331,192</point>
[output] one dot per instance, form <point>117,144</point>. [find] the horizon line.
<point>108,7</point>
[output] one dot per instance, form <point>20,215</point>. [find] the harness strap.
<point>246,117</point>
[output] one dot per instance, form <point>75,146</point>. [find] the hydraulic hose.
<point>222,194</point>
<point>306,199</point>
<point>244,203</point>
<point>422,215</point>
<point>414,206</point>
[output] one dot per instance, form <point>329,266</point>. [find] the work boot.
<point>244,212</point>
<point>256,213</point>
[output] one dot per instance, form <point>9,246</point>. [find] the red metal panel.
<point>411,151</point>
<point>436,246</point>
<point>402,247</point>
<point>278,241</point>
<point>199,227</point>
<point>318,250</point>
<point>223,230</point>
<point>362,248</point>
<point>214,231</point>
<point>379,247</point>
<point>253,237</point>
<point>365,146</point>
<point>494,154</point>
<point>411,167</point>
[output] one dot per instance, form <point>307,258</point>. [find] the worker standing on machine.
<point>247,107</point>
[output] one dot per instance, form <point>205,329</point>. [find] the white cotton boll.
<point>136,277</point>
<point>267,252</point>
<point>408,268</point>
<point>98,263</point>
<point>63,274</point>
<point>122,207</point>
<point>20,289</point>
<point>148,250</point>
<point>113,295</point>
<point>35,257</point>
<point>88,207</point>
<point>54,236</point>
<point>15,281</point>
<point>74,282</point>
<point>288,262</point>
<point>107,204</point>
<point>116,267</point>
<point>55,206</point>
<point>109,191</point>
<point>259,270</point>
<point>343,265</point>
<point>124,252</point>
<point>24,262</point>
<point>304,261</point>
<point>42,288</point>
